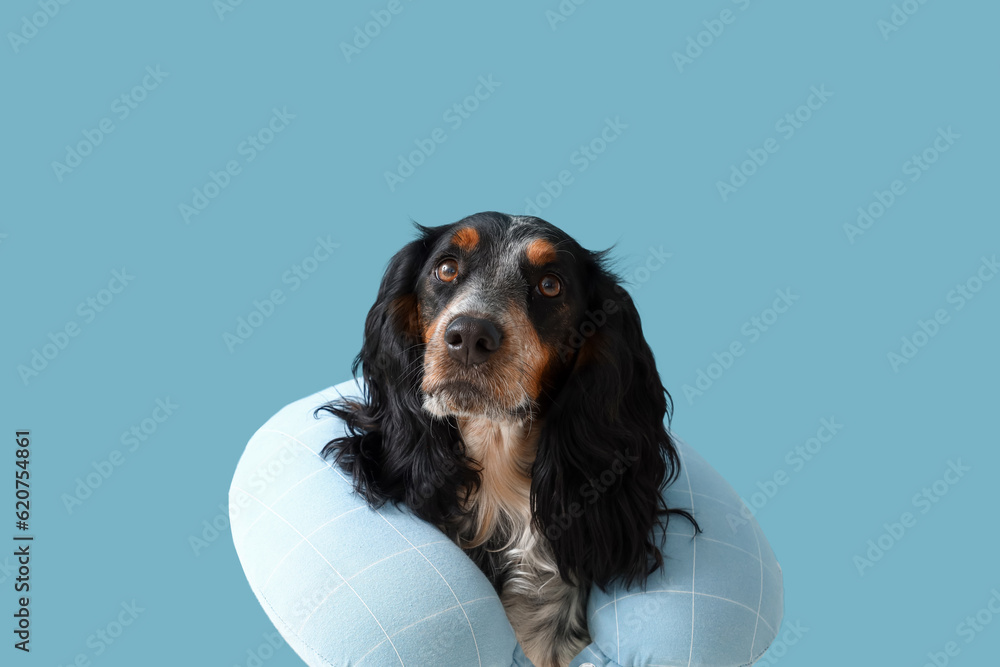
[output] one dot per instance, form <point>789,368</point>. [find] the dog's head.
<point>508,318</point>
<point>498,301</point>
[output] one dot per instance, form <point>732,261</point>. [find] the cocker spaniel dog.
<point>512,401</point>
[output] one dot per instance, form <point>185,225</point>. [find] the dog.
<point>512,401</point>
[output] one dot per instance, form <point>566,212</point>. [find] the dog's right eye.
<point>447,270</point>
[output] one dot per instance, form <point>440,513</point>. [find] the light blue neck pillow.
<point>349,585</point>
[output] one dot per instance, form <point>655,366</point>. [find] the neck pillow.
<point>349,585</point>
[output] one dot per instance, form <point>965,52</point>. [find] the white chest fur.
<point>548,614</point>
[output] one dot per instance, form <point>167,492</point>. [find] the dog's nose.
<point>471,340</point>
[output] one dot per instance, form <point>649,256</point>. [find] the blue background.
<point>655,186</point>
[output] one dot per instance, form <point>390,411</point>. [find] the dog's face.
<point>498,301</point>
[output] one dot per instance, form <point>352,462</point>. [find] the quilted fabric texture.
<point>349,585</point>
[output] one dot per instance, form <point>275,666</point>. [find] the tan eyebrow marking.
<point>467,238</point>
<point>540,252</point>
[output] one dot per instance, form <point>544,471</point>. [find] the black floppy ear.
<point>394,450</point>
<point>604,454</point>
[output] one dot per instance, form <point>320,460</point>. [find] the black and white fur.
<point>537,441</point>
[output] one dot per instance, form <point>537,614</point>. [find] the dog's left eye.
<point>549,285</point>
<point>447,270</point>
